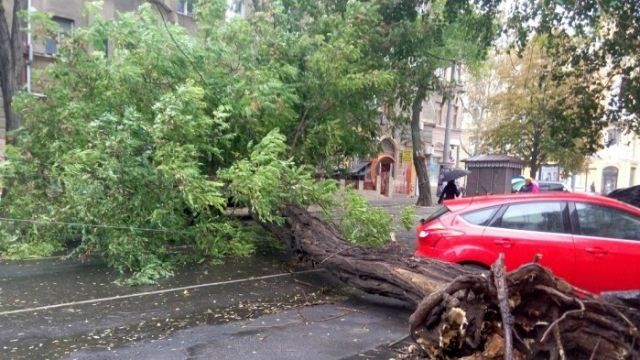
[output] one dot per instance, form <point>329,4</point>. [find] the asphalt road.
<point>260,308</point>
<point>263,307</point>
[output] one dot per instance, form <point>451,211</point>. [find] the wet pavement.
<point>33,283</point>
<point>326,331</point>
<point>263,307</point>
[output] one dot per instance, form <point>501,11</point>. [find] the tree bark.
<point>459,314</point>
<point>10,61</point>
<point>534,160</point>
<point>419,156</point>
<point>387,272</point>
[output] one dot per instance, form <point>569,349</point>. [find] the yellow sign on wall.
<point>406,156</point>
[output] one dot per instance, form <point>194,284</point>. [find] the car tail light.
<point>433,232</point>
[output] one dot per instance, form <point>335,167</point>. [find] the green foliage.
<point>415,39</point>
<point>363,224</point>
<point>14,249</point>
<point>266,181</point>
<point>150,270</point>
<point>322,55</point>
<point>124,147</point>
<point>408,217</point>
<point>134,148</point>
<point>537,118</point>
<point>146,131</point>
<point>594,41</point>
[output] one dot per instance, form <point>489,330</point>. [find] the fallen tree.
<point>528,313</point>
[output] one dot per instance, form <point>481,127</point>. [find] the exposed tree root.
<point>551,320</point>
<point>525,314</point>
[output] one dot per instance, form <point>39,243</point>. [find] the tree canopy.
<point>417,38</point>
<point>147,133</point>
<point>537,118</point>
<point>595,41</point>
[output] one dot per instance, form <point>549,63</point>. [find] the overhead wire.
<point>77,224</point>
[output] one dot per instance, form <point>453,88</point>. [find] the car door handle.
<point>597,251</point>
<point>504,242</point>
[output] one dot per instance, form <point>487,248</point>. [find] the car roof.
<point>477,202</point>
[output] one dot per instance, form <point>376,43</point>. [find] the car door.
<point>607,244</point>
<point>526,229</point>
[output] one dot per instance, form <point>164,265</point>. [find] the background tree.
<point>480,87</point>
<point>596,41</point>
<point>11,59</point>
<point>416,38</point>
<point>535,117</point>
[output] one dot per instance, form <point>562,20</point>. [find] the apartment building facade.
<point>391,171</point>
<point>69,14</point>
<point>615,166</point>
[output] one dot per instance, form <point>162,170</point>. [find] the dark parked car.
<point>552,186</point>
<point>630,195</point>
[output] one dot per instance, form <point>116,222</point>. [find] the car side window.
<point>480,217</point>
<point>537,216</point>
<point>601,221</point>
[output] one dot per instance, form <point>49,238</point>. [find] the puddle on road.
<point>158,328</point>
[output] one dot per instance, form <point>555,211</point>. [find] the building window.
<point>632,176</point>
<point>455,117</point>
<point>611,137</point>
<point>185,7</point>
<point>64,28</point>
<point>237,7</point>
<point>609,179</point>
<point>439,113</point>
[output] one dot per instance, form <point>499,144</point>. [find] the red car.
<point>589,240</point>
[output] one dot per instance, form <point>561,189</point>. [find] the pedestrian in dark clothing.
<point>450,191</point>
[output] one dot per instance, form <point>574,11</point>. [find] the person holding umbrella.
<point>451,190</point>
<point>517,182</point>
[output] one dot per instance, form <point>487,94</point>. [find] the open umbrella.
<point>517,183</point>
<point>454,174</point>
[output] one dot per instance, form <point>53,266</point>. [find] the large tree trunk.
<point>10,61</point>
<point>387,272</point>
<point>524,314</point>
<point>534,160</point>
<point>419,156</point>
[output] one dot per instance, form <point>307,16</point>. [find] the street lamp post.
<point>446,152</point>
